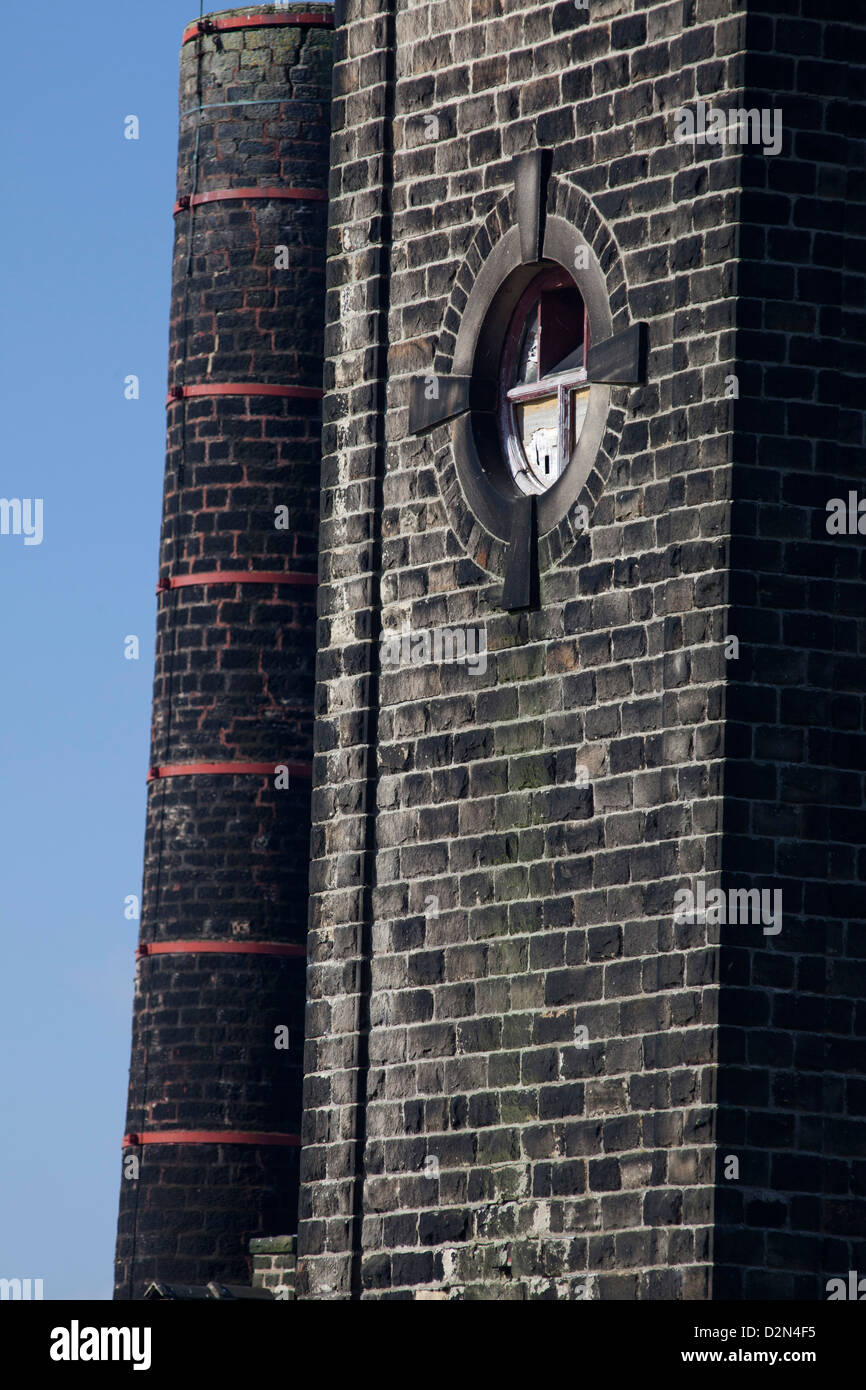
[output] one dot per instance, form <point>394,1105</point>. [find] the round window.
<point>543,390</point>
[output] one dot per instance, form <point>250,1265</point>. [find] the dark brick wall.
<point>792,1092</point>
<point>459,1143</point>
<point>562,1171</point>
<point>227,857</point>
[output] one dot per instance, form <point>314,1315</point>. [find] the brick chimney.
<point>212,1136</point>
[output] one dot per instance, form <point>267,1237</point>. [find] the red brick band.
<point>207,948</point>
<point>227,769</point>
<point>317,20</point>
<point>223,195</point>
<point>302,578</point>
<point>243,388</point>
<point>209,1136</point>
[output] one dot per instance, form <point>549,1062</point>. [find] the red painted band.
<point>227,769</point>
<point>206,948</point>
<point>243,388</point>
<point>185,581</point>
<point>256,21</point>
<point>209,1136</point>
<point>223,195</point>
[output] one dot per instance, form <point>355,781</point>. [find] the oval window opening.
<point>543,389</point>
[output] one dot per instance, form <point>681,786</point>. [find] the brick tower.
<point>211,1150</point>
<point>529,1076</point>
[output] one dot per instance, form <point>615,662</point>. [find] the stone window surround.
<point>543,219</point>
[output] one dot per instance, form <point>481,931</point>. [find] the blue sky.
<point>86,256</point>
